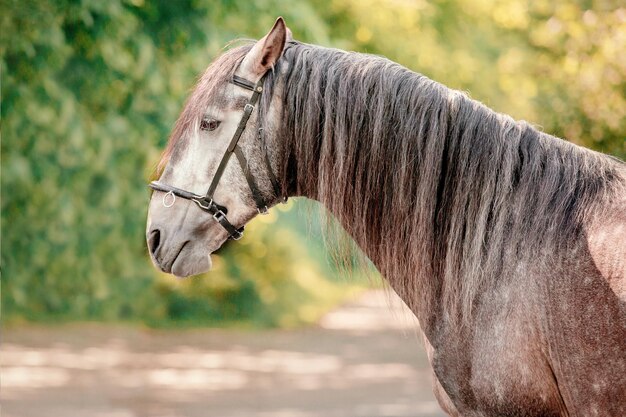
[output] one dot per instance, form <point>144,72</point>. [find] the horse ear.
<point>266,51</point>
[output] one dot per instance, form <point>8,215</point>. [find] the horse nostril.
<point>154,240</point>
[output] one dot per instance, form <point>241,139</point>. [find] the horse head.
<point>203,197</point>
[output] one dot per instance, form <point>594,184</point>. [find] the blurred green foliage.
<point>90,90</point>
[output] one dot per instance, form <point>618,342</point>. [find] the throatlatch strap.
<point>273,180</point>
<point>256,194</point>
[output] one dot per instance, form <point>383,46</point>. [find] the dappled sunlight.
<point>369,368</point>
<point>373,312</point>
<point>188,369</point>
<point>181,379</point>
<point>155,368</point>
<point>32,377</point>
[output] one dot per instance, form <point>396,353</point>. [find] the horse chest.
<point>489,381</point>
<point>499,367</point>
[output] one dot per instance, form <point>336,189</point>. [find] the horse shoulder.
<point>586,316</point>
<point>606,239</point>
<point>510,360</point>
<point>499,364</point>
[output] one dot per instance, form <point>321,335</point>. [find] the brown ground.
<point>364,359</point>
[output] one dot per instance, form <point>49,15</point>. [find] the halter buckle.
<point>219,215</point>
<point>237,235</point>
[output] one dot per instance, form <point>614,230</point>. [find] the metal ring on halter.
<point>170,193</point>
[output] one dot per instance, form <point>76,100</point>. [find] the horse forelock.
<point>443,194</point>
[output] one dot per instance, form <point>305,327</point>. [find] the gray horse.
<point>508,244</point>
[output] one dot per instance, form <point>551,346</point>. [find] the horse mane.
<point>444,195</point>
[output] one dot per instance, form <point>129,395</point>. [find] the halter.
<point>205,202</point>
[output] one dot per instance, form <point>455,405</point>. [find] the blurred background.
<point>90,90</point>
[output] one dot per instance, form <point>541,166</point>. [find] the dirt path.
<point>364,359</point>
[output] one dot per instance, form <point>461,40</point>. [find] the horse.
<point>508,244</point>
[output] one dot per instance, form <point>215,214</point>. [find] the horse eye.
<point>209,125</point>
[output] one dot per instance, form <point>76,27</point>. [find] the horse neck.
<point>432,186</point>
<point>359,154</point>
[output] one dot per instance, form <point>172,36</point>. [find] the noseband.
<point>206,202</point>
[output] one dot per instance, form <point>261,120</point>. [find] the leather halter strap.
<point>256,94</point>
<point>242,82</point>
<point>206,202</point>
<point>218,212</point>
